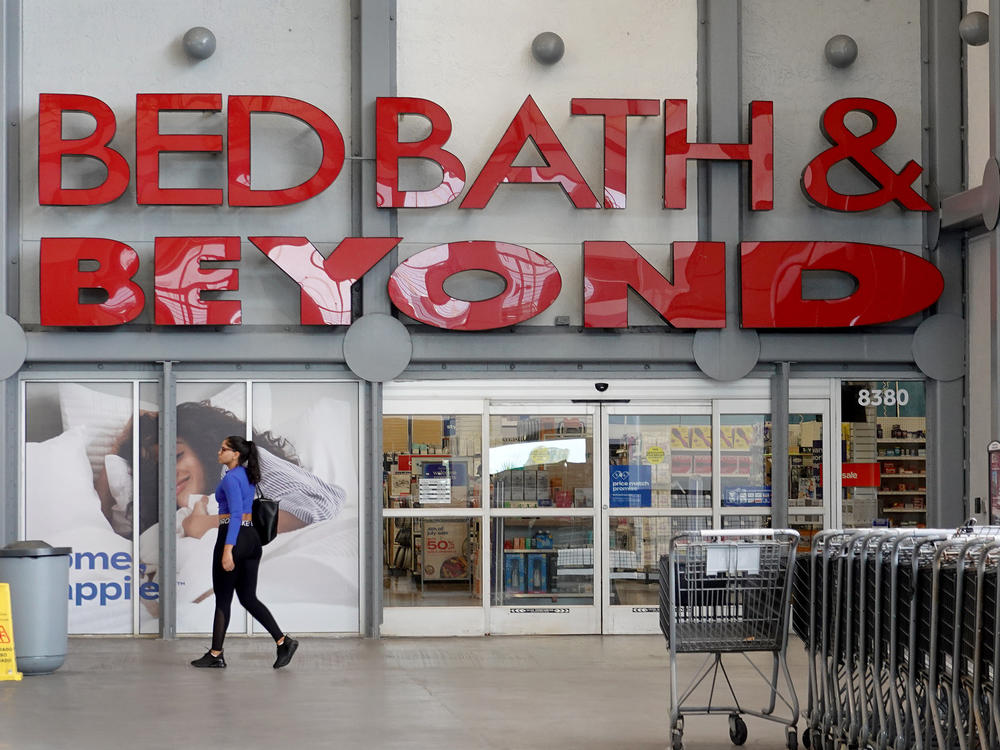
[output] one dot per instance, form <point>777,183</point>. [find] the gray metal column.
<point>945,159</point>
<point>168,504</point>
<point>374,525</point>
<point>10,195</point>
<point>374,75</point>
<point>994,50</point>
<point>779,446</point>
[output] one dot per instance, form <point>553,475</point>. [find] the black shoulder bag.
<point>265,517</point>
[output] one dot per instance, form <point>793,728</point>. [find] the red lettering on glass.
<point>150,143</point>
<point>529,122</point>
<point>860,151</point>
<point>695,299</point>
<point>759,152</point>
<point>892,284</point>
<point>615,113</point>
<point>180,280</point>
<point>389,150</point>
<point>325,284</point>
<point>331,141</point>
<point>417,285</point>
<point>52,147</point>
<point>60,282</point>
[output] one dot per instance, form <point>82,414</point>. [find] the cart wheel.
<point>792,741</point>
<point>676,740</point>
<point>807,738</point>
<point>737,729</point>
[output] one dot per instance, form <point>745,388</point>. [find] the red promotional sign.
<point>859,475</point>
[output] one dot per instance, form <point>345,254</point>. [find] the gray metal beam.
<point>555,344</point>
<point>168,504</point>
<point>779,446</point>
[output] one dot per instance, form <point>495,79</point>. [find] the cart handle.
<point>747,532</point>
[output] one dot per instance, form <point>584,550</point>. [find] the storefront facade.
<point>514,315</point>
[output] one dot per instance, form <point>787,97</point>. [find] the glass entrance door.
<point>544,545</point>
<point>687,467</point>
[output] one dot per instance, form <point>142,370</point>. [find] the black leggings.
<point>242,579</point>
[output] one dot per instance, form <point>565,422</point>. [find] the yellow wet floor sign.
<point>8,666</point>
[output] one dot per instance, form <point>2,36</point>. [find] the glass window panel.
<point>745,460</point>
<point>884,453</point>
<point>807,526</point>
<point>432,562</point>
<point>746,522</point>
<point>207,413</point>
<point>540,461</point>
<point>660,461</point>
<point>805,461</point>
<point>636,544</point>
<point>309,574</point>
<point>432,460</point>
<point>541,561</point>
<point>78,493</point>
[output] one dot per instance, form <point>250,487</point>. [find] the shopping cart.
<point>724,592</point>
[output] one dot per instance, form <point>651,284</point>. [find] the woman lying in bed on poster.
<point>304,497</point>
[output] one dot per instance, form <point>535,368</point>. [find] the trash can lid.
<point>33,548</point>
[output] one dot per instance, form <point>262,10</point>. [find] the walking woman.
<point>236,559</point>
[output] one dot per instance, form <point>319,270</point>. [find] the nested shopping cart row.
<point>900,630</point>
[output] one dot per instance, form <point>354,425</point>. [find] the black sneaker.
<point>210,661</point>
<point>285,651</point>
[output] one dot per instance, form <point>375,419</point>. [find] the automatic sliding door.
<point>543,566</point>
<point>659,482</point>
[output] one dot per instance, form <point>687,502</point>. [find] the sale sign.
<point>860,475</point>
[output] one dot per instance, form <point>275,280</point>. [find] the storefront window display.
<point>541,461</point>
<point>432,461</point>
<point>309,574</point>
<point>543,560</point>
<point>432,562</point>
<point>884,453</point>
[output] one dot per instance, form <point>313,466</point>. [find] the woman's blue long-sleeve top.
<point>235,497</point>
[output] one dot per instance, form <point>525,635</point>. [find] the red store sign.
<point>891,284</point>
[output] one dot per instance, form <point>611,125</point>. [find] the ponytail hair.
<point>248,456</point>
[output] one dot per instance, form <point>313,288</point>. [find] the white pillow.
<point>59,487</point>
<point>63,509</point>
<point>103,415</point>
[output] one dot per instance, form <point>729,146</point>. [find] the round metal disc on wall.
<point>377,347</point>
<point>939,347</point>
<point>13,347</point>
<point>726,354</point>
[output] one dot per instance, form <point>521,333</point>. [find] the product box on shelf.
<point>701,437</point>
<point>680,437</point>
<point>513,573</point>
<point>537,574</point>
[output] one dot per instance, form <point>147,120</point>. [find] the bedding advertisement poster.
<point>92,447</point>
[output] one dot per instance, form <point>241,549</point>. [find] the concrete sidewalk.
<point>581,692</point>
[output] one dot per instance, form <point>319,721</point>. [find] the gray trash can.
<point>38,574</point>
